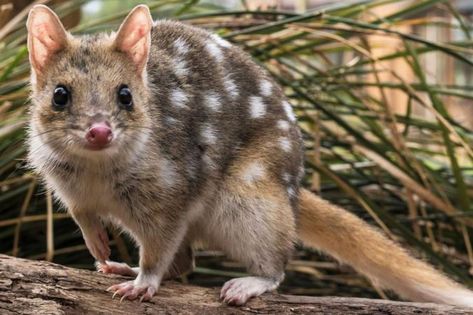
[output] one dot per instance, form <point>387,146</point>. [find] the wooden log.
<point>39,287</point>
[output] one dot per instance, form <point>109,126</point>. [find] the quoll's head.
<point>89,93</point>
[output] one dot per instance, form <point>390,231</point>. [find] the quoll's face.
<point>89,93</point>
<point>90,101</point>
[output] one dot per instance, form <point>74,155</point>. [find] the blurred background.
<point>383,93</point>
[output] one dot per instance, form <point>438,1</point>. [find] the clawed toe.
<point>239,291</point>
<point>129,291</point>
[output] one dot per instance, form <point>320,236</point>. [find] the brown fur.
<point>350,240</point>
<point>209,151</point>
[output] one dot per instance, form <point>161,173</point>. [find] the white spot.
<point>179,98</point>
<point>230,86</point>
<point>253,172</point>
<point>167,172</point>
<point>285,144</point>
<point>288,109</point>
<point>301,172</point>
<point>180,67</point>
<point>266,87</point>
<point>181,46</point>
<point>283,125</point>
<point>208,134</point>
<point>209,161</point>
<point>171,120</point>
<point>222,42</point>
<point>212,101</point>
<point>257,107</point>
<point>291,192</point>
<point>286,177</point>
<point>214,51</point>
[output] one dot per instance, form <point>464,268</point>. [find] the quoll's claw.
<point>130,291</point>
<point>150,292</point>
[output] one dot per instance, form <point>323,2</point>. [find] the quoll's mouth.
<point>99,136</point>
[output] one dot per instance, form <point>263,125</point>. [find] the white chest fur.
<point>85,192</point>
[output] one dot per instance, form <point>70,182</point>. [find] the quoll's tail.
<point>347,238</point>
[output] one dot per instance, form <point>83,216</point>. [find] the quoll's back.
<point>212,101</point>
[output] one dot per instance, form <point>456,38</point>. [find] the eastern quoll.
<point>175,135</point>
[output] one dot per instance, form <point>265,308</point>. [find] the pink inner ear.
<point>43,33</point>
<point>135,43</point>
<point>133,38</point>
<point>39,52</point>
<point>46,38</point>
<point>44,45</point>
<point>139,51</point>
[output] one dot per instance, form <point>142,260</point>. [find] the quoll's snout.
<point>99,135</point>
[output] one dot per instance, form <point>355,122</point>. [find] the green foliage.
<point>377,126</point>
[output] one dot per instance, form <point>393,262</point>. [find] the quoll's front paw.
<point>116,268</point>
<point>97,244</point>
<point>145,287</point>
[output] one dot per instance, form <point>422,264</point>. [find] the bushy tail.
<point>347,238</point>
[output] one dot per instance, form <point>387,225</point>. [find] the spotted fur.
<point>210,151</point>
<point>200,156</point>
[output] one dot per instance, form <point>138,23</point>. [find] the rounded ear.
<point>134,36</point>
<point>46,36</point>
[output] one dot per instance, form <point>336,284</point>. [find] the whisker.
<point>138,127</point>
<point>47,131</point>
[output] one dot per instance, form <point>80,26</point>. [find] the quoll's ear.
<point>134,36</point>
<point>46,36</point>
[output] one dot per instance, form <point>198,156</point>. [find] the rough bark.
<point>40,287</point>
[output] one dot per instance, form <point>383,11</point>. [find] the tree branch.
<point>45,288</point>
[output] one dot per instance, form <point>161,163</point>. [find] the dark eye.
<point>124,97</point>
<point>60,97</point>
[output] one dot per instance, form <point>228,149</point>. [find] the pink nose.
<point>99,135</point>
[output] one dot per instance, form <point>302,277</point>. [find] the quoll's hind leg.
<point>253,223</point>
<point>239,290</point>
<point>182,264</point>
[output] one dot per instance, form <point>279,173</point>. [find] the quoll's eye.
<point>124,97</point>
<point>60,97</point>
